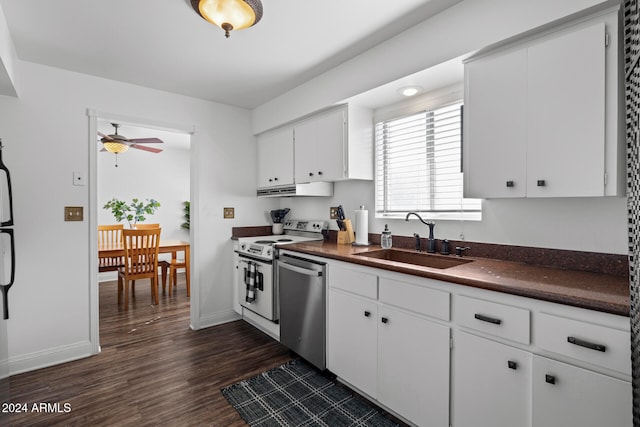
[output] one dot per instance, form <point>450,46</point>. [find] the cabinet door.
<point>413,367</point>
<point>319,148</point>
<point>495,126</point>
<point>352,340</point>
<point>275,158</point>
<point>565,395</point>
<point>491,383</point>
<point>331,146</point>
<point>566,102</point>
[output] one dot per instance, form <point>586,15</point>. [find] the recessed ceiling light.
<point>410,90</point>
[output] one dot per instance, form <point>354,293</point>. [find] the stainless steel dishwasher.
<point>302,307</point>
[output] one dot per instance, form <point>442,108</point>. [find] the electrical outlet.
<point>73,213</point>
<point>333,212</point>
<point>229,213</point>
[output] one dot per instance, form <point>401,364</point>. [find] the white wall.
<point>46,135</point>
<point>595,224</point>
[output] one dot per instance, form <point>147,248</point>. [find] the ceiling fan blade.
<point>107,137</point>
<point>145,148</point>
<point>146,141</point>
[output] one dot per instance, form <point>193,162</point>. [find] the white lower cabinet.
<point>491,383</point>
<point>515,361</point>
<point>353,340</point>
<point>413,367</point>
<point>566,395</point>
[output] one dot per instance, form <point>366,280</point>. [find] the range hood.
<point>312,189</point>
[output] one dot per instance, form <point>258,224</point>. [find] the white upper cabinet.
<point>275,158</point>
<point>541,118</point>
<point>320,143</point>
<point>334,145</point>
<point>566,120</point>
<point>495,117</point>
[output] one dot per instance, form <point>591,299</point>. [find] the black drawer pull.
<point>510,184</point>
<point>587,344</point>
<point>551,379</point>
<point>384,320</point>
<point>487,319</point>
<point>367,313</point>
<point>541,183</point>
<point>512,365</point>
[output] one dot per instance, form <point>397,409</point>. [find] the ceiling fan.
<point>119,143</point>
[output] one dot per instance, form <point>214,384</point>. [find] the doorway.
<point>164,176</point>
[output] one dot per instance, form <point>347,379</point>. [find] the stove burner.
<point>285,240</point>
<point>265,242</point>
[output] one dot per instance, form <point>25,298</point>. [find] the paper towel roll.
<point>362,226</point>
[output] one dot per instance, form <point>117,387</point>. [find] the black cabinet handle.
<point>319,172</point>
<point>487,319</point>
<point>587,344</point>
<point>275,179</point>
<point>270,180</point>
<point>310,173</point>
<point>510,184</point>
<point>512,365</point>
<point>541,183</point>
<point>550,379</point>
<point>384,320</point>
<point>367,313</point>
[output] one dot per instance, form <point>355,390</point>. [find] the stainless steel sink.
<point>415,258</point>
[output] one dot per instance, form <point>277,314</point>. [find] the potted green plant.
<point>187,216</point>
<point>132,212</point>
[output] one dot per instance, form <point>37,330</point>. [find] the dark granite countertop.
<point>596,291</point>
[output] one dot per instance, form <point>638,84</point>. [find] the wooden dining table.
<point>108,250</point>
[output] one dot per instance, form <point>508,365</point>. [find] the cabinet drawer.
<point>501,320</point>
<point>419,299</point>
<point>596,344</point>
<point>353,281</point>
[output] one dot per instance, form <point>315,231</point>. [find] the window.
<point>419,163</point>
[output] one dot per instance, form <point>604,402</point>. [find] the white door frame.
<point>93,115</point>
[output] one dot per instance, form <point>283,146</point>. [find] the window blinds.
<point>418,165</point>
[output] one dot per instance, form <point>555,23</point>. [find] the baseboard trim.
<point>50,357</point>
<point>218,318</point>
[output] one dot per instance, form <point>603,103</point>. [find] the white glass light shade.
<point>230,14</point>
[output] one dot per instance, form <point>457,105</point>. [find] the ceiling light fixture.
<point>410,90</point>
<point>229,14</point>
<point>115,147</point>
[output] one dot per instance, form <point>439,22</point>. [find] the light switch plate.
<point>73,213</point>
<point>229,213</point>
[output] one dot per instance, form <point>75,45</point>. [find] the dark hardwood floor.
<point>153,370</point>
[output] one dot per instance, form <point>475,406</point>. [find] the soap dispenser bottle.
<point>385,238</point>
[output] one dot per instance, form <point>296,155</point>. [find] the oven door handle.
<point>313,273</point>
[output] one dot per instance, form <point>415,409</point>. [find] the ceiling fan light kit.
<point>115,147</point>
<point>229,14</point>
<point>119,143</point>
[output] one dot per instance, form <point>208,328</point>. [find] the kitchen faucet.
<point>431,241</point>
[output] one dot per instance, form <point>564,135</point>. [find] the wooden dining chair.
<point>110,235</point>
<point>173,274</point>
<point>164,265</point>
<point>147,226</point>
<point>141,261</point>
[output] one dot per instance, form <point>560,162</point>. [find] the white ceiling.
<point>164,44</point>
